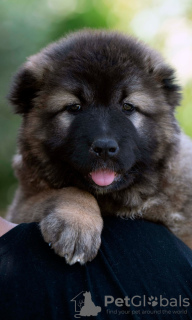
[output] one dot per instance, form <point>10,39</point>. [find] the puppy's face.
<point>98,111</point>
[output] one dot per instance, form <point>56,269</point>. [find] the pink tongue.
<point>103,177</point>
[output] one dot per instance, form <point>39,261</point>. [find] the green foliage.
<point>184,112</point>
<point>90,18</point>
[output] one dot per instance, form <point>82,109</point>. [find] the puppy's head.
<point>98,111</point>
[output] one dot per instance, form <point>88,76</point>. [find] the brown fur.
<point>73,225</point>
<point>69,217</point>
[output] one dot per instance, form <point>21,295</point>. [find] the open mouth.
<point>104,177</point>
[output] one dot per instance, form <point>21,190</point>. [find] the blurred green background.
<point>27,26</point>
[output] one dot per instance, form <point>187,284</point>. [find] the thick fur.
<point>100,71</point>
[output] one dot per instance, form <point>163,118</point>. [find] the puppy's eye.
<point>74,108</point>
<point>128,107</point>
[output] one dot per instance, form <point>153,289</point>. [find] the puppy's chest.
<point>136,204</point>
<point>120,203</point>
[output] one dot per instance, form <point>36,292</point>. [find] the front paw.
<point>78,240</point>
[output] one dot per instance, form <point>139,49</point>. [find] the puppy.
<point>98,137</point>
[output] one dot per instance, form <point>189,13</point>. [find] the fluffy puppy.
<point>99,136</point>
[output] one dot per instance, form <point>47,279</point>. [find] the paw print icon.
<point>153,301</point>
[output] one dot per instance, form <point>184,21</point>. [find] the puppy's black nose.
<point>105,147</point>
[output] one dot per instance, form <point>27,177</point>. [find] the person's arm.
<point>5,226</point>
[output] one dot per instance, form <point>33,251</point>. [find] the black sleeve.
<point>142,271</point>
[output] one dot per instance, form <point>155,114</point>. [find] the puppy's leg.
<point>69,218</point>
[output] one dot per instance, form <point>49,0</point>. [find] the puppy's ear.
<point>172,91</point>
<point>28,82</point>
<point>165,76</point>
<point>24,89</point>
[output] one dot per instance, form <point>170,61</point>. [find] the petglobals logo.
<point>84,305</point>
<point>144,301</point>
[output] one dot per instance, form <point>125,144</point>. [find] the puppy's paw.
<point>78,240</point>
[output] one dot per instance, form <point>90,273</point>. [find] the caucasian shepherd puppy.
<point>98,137</point>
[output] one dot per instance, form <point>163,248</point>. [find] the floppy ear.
<point>172,91</point>
<point>28,82</point>
<point>24,89</point>
<point>165,76</point>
